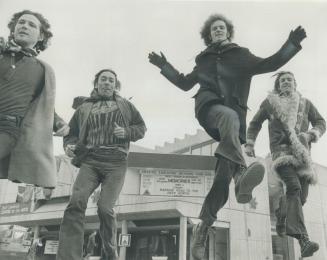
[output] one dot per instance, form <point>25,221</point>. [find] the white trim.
<point>217,223</point>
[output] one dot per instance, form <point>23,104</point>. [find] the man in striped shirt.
<point>100,132</point>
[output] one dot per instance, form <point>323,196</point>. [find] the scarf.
<point>12,47</point>
<point>94,97</point>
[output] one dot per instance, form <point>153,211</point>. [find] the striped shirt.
<point>101,124</point>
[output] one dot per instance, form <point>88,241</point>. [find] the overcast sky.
<point>92,35</point>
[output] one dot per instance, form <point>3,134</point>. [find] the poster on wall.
<point>175,182</point>
<point>15,208</point>
<point>51,247</point>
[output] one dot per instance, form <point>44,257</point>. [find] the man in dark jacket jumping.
<point>224,71</point>
<point>101,130</point>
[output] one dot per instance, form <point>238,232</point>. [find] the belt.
<point>17,119</point>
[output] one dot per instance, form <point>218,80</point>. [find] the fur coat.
<point>288,117</point>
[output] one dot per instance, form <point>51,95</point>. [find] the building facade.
<point>159,204</point>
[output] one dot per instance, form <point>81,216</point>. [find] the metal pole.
<point>36,232</point>
<point>122,251</point>
<point>182,238</point>
<point>32,250</point>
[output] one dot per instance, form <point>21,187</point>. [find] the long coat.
<point>32,160</point>
<point>226,71</point>
<point>288,117</point>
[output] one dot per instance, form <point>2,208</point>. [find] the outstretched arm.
<point>184,82</point>
<point>289,49</point>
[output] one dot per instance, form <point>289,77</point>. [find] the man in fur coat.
<point>289,115</point>
<point>224,71</point>
<point>101,130</point>
<point>27,98</point>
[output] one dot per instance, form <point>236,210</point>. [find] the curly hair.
<point>96,78</point>
<point>205,31</point>
<point>278,75</point>
<point>45,28</point>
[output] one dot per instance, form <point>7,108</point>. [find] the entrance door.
<point>147,244</point>
<point>219,244</point>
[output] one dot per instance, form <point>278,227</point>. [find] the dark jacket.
<point>133,122</point>
<point>286,120</point>
<point>224,74</point>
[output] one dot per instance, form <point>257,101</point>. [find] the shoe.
<point>200,235</point>
<point>247,179</point>
<point>308,248</point>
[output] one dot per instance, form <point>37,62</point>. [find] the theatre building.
<point>158,206</point>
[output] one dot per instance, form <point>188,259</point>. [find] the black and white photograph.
<point>163,130</point>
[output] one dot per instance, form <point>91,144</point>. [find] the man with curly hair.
<point>27,93</point>
<point>224,71</point>
<point>101,130</point>
<point>289,115</point>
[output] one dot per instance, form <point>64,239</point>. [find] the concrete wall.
<point>250,226</point>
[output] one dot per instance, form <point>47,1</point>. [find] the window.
<point>218,244</point>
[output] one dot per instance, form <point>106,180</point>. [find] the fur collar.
<point>285,108</point>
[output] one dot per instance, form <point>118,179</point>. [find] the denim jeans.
<point>297,189</point>
<point>111,176</point>
<point>7,144</point>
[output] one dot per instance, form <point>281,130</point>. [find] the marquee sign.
<point>175,182</point>
<point>15,208</point>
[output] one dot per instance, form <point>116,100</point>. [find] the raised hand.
<point>157,60</point>
<point>297,35</point>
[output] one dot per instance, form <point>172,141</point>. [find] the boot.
<point>200,235</point>
<point>307,247</point>
<point>246,179</point>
